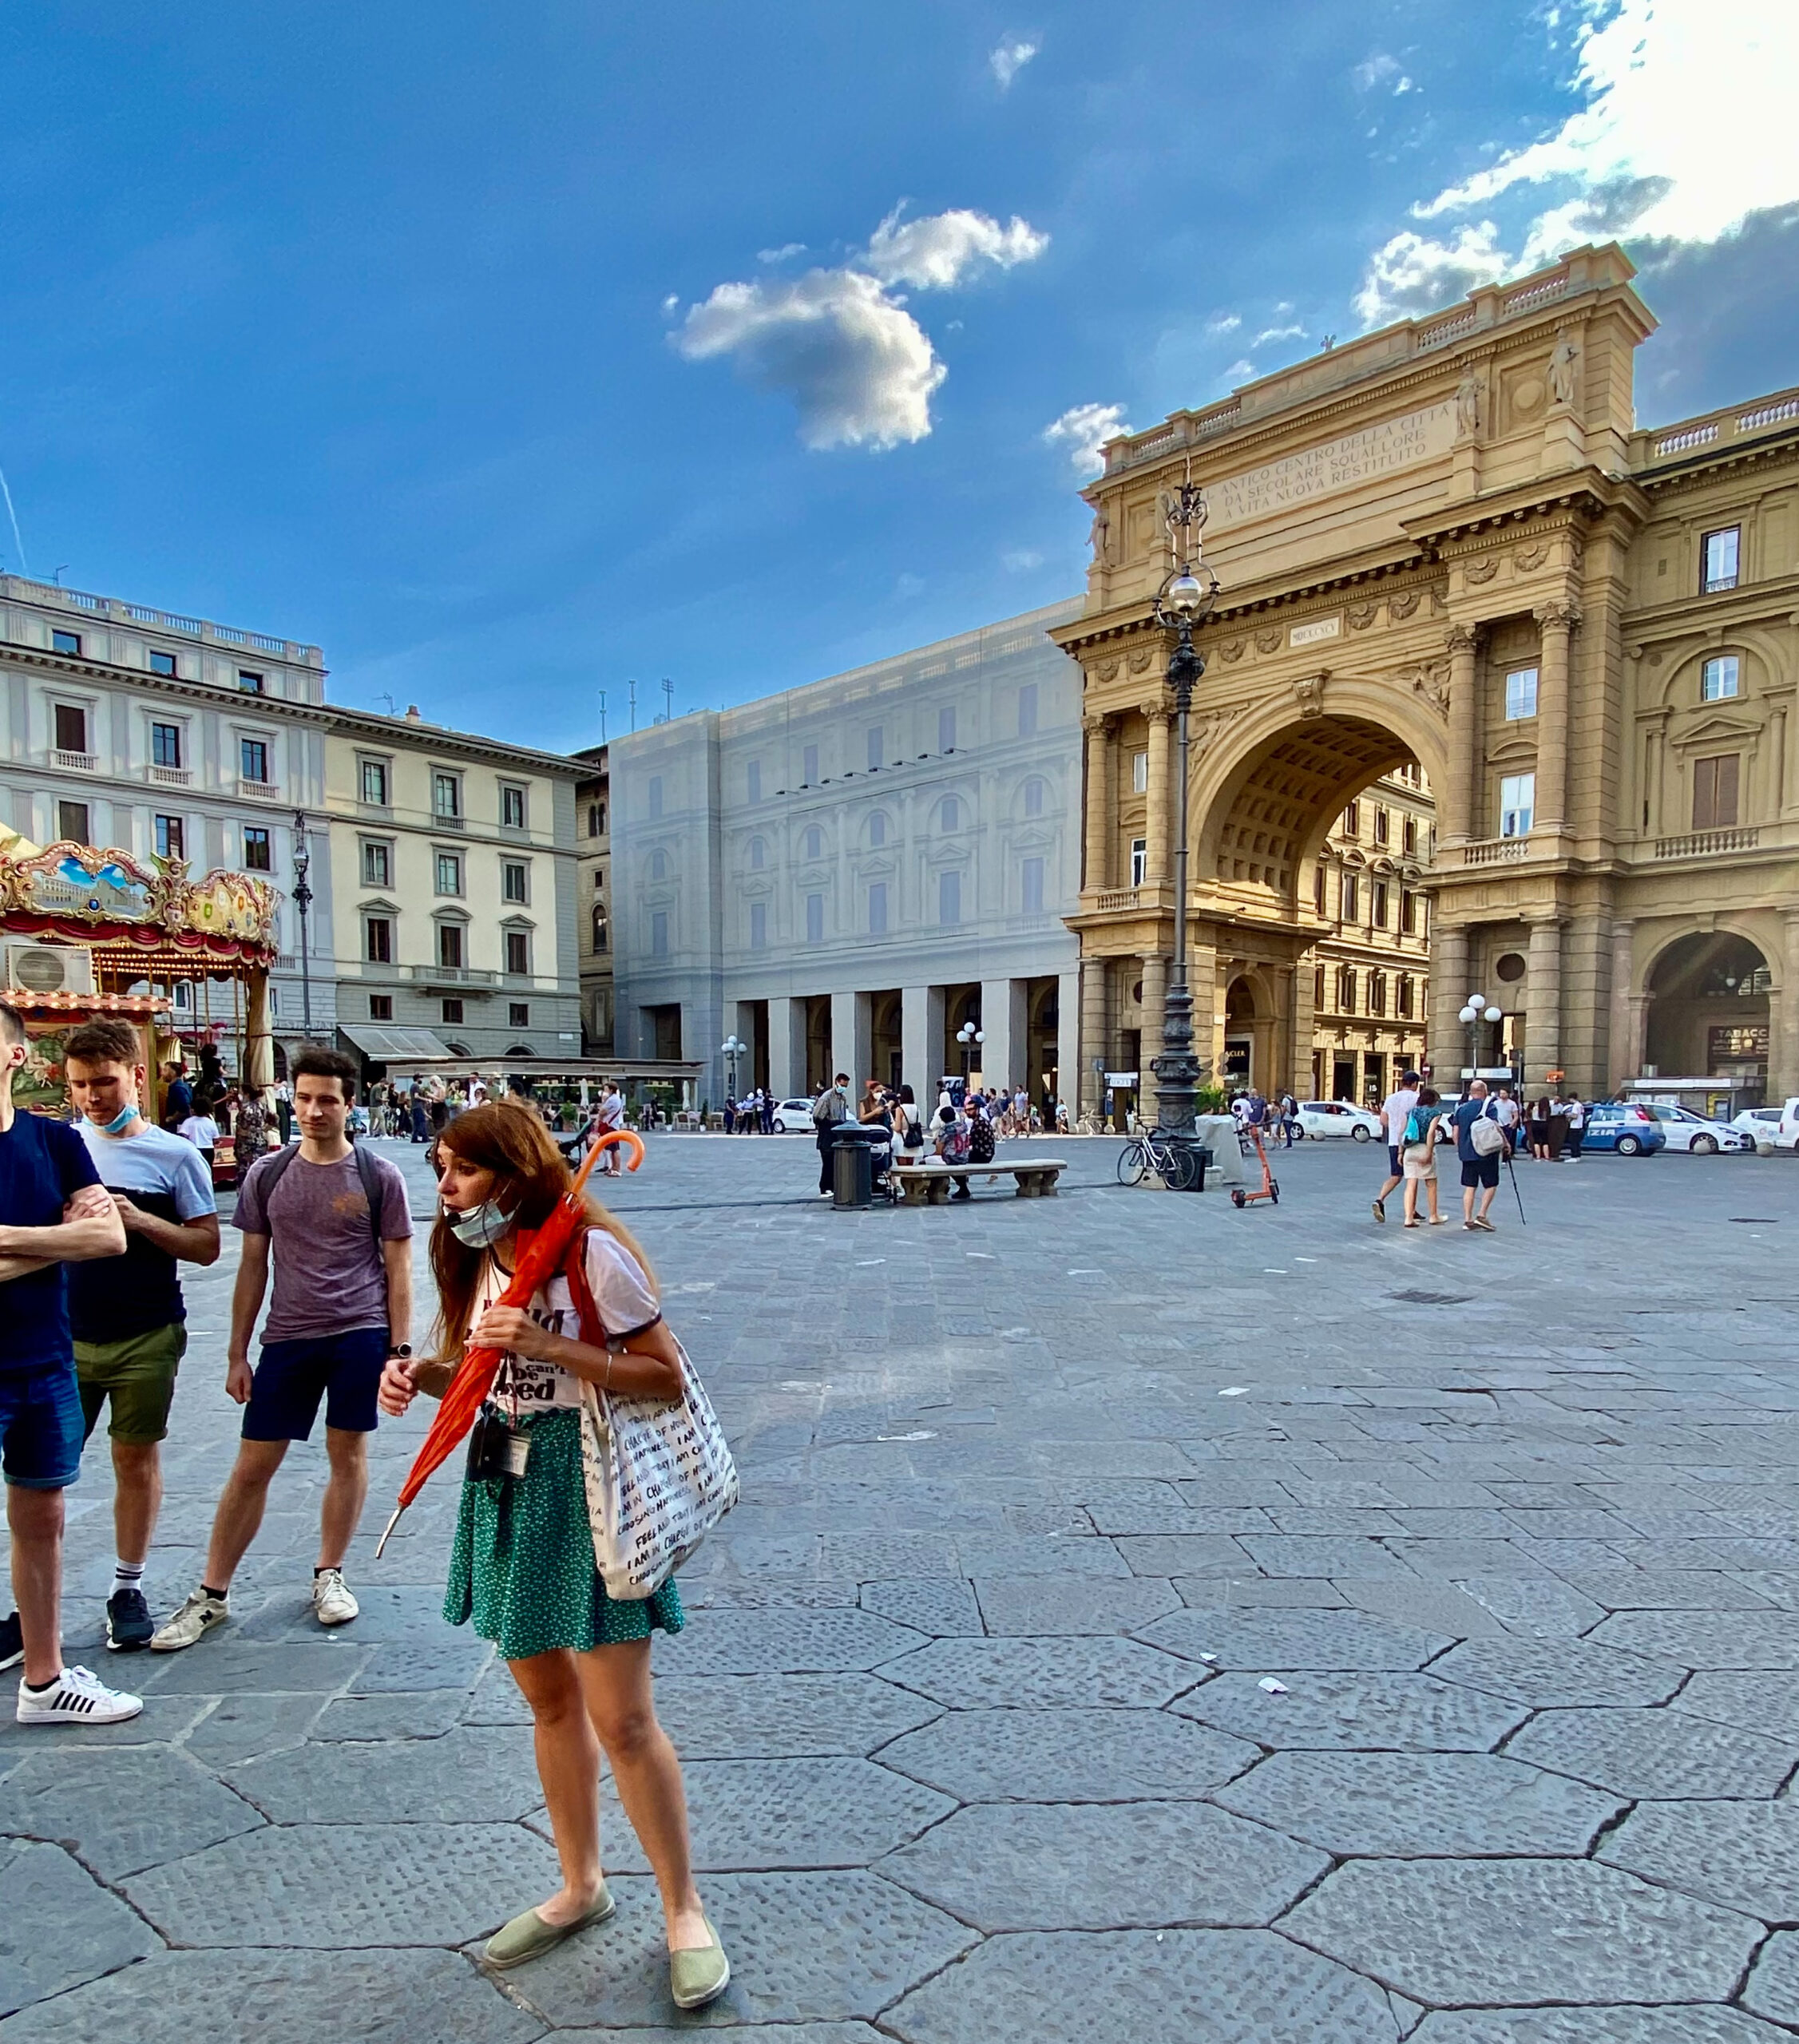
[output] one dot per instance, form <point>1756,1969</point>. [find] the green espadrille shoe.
<point>696,1978</point>
<point>529,1936</point>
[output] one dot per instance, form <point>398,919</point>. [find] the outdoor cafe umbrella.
<point>541,1254</point>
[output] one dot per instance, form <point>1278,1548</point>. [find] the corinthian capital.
<point>1462,638</point>
<point>1557,617</point>
<point>1095,724</point>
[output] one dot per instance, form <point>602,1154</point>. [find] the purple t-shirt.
<point>329,1277</point>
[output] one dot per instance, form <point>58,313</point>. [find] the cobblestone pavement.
<point>1041,1499</point>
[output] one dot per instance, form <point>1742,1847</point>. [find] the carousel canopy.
<point>140,916</point>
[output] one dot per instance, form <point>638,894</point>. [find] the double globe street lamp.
<point>1474,1011</point>
<point>968,1035</point>
<point>730,1050</point>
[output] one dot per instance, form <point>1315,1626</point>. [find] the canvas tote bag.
<point>658,1475</point>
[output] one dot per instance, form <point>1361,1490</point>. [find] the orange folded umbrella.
<point>541,1253</point>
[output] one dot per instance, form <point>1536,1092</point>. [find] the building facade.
<point>1446,544</point>
<point>852,874</point>
<point>442,865</point>
<point>593,913</point>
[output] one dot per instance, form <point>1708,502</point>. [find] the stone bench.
<point>928,1183</point>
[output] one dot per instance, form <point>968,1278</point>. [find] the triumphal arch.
<point>1446,547</point>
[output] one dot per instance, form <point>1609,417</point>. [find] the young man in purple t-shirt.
<point>342,1305</point>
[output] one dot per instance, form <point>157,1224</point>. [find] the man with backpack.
<point>336,1218</point>
<point>1479,1141</point>
<point>831,1106</point>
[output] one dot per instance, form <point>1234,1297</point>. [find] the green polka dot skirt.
<point>521,1566</point>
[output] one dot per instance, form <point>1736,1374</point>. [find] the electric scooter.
<point>1270,1185</point>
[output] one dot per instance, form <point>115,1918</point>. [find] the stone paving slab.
<point>786,1643</point>
<point>60,1927</point>
<point>1393,1713</point>
<point>775,1717</point>
<point>466,1777</point>
<point>1706,1639</point>
<point>943,1607</point>
<point>1765,1701</point>
<point>1687,2025</point>
<point>121,1810</point>
<point>1743,1856</point>
<point>1280,1641</point>
<point>1042,1674</point>
<point>1048,1607</point>
<point>1069,1755</point>
<point>1651,1753</point>
<point>1773,1988</point>
<point>1561,1675</point>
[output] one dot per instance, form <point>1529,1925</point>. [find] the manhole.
<point>1435,1299</point>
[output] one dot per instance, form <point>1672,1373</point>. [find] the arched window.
<point>759,855</point>
<point>1033,797</point>
<point>814,842</point>
<point>1346,990</point>
<point>878,828</point>
<point>950,815</point>
<point>600,926</point>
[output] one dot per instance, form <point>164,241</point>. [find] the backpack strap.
<point>587,1312</point>
<point>373,1190</point>
<point>273,1171</point>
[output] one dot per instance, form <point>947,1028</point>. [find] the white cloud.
<point>1021,561</point>
<point>1240,372</point>
<point>939,251</point>
<point>671,301</point>
<point>1224,323</point>
<point>781,255</point>
<point>840,341</point>
<point>1085,429</point>
<point>1684,129</point>
<point>1374,71</point>
<point>1009,59</point>
<point>1277,334</point>
<point>859,367</point>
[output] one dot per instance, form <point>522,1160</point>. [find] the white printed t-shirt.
<point>1394,1109</point>
<point>627,1303</point>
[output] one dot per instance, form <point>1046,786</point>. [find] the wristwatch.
<point>401,1348</point>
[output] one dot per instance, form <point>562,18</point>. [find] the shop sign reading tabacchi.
<point>1357,458</point>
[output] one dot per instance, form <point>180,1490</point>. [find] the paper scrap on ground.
<point>1235,1391</point>
<point>1273,1687</point>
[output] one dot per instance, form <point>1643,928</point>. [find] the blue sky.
<point>510,353</point>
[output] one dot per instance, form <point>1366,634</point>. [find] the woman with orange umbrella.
<point>522,1567</point>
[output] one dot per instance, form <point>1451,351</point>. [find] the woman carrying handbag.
<point>523,1565</point>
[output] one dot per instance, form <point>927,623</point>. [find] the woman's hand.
<point>397,1388</point>
<point>513,1332</point>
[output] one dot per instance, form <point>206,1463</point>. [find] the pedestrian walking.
<point>335,1218</point>
<point>1479,1141</point>
<point>607,1116</point>
<point>1395,1111</point>
<point>831,1106</point>
<point>1417,1155</point>
<point>126,1313</point>
<point>53,1211</point>
<point>202,1132</point>
<point>522,1568</point>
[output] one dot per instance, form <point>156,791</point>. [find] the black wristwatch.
<point>401,1348</point>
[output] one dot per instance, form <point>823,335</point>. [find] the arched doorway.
<point>1238,1070</point>
<point>1708,1011</point>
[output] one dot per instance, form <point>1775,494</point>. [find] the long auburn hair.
<point>530,1178</point>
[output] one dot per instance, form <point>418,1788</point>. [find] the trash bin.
<point>852,1165</point>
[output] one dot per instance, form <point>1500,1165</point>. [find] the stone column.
<point>1304,1022</point>
<point>1099,796</point>
<point>852,1039</point>
<point>1449,989</point>
<point>786,1048</point>
<point>922,1042</point>
<point>1160,856</point>
<point>1155,998</point>
<point>1558,621</point>
<point>1543,1013</point>
<point>1624,1052</point>
<point>1068,1052</point>
<point>1095,1041</point>
<point>1005,1025</point>
<point>1777,788</point>
<point>1462,819</point>
<point>1201,980</point>
<point>1783,1037</point>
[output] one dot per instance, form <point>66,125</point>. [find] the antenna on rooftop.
<point>668,701</point>
<point>602,716</point>
<point>632,686</point>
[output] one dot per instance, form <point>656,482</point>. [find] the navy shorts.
<point>1393,1170</point>
<point>1481,1171</point>
<point>292,1376</point>
<point>41,1427</point>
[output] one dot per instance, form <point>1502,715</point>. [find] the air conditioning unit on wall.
<point>46,969</point>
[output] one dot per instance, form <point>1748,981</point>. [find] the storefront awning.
<point>395,1046</point>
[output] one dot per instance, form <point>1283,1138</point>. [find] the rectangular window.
<point>1140,772</point>
<point>518,1014</point>
<point>256,858</point>
<point>446,795</point>
<point>1028,711</point>
<point>1318,988</point>
<point>1318,890</point>
<point>165,745</point>
<point>72,822</point>
<point>1520,694</point>
<point>1377,993</point>
<point>71,729</point>
<point>1408,837</point>
<point>1346,991</point>
<point>596,819</point>
<point>377,940</point>
<point>377,866</point>
<point>1714,792</point>
<point>512,880</point>
<point>815,918</point>
<point>812,845</point>
<point>948,899</point>
<point>1033,797</point>
<point>252,760</point>
<point>809,766</point>
<point>1377,904</point>
<point>1720,678</point>
<point>946,728</point>
<point>877,907</point>
<point>381,1008</point>
<point>758,925</point>
<point>512,807</point>
<point>449,945</point>
<point>1517,801</point>
<point>1408,913</point>
<point>171,839</point>
<point>518,952</point>
<point>450,873</point>
<point>163,663</point>
<point>1403,1005</point>
<point>877,746</point>
<point>1139,860</point>
<point>1348,899</point>
<point>753,777</point>
<point>375,782</point>
<point>659,933</point>
<point>1352,820</point>
<point>453,1007</point>
<point>1719,559</point>
<point>251,683</point>
<point>65,642</point>
<point>1031,887</point>
<point>655,795</point>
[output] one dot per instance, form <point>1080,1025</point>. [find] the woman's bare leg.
<point>616,1680</point>
<point>568,1767</point>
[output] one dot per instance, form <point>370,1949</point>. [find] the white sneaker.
<point>76,1698</point>
<point>332,1604</point>
<point>198,1616</point>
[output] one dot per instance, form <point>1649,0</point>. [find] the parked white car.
<point>1694,1134</point>
<point>1786,1136</point>
<point>1763,1125</point>
<point>1319,1118</point>
<point>793,1117</point>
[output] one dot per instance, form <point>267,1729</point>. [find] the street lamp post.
<point>968,1035</point>
<point>303,902</point>
<point>730,1050</point>
<point>1475,1011</point>
<point>1184,600</point>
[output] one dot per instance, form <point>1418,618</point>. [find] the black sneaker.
<point>11,1641</point>
<point>128,1623</point>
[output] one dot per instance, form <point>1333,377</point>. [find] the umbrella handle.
<point>628,1137</point>
<point>391,1524</point>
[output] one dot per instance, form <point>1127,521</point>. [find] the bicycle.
<point>1173,1163</point>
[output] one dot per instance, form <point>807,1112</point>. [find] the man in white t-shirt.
<point>1394,1111</point>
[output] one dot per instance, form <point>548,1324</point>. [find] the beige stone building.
<point>593,912</point>
<point>1447,543</point>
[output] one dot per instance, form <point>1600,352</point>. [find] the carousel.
<point>87,933</point>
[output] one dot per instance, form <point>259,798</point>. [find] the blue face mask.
<point>481,1227</point>
<point>122,1120</point>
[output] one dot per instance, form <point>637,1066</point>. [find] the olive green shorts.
<point>138,1375</point>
